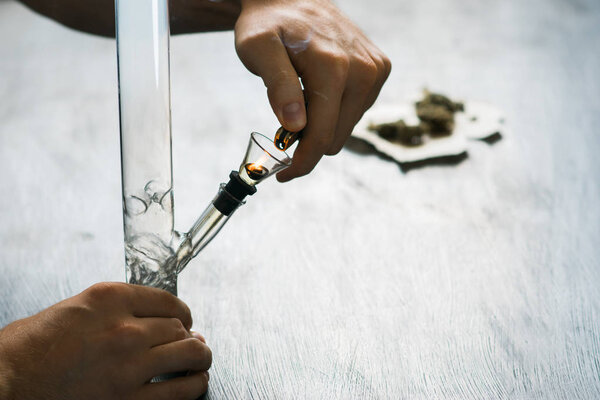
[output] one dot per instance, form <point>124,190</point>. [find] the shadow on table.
<point>362,147</point>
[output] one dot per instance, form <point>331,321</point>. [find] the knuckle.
<point>181,333</point>
<point>200,352</point>
<point>125,335</point>
<point>367,75</point>
<point>187,316</point>
<point>202,384</point>
<point>250,40</point>
<point>338,64</point>
<point>104,292</point>
<point>128,331</point>
<point>371,69</point>
<point>387,62</point>
<point>77,312</point>
<point>177,325</point>
<point>170,302</point>
<point>387,66</point>
<point>176,307</point>
<point>196,347</point>
<point>209,356</point>
<point>281,79</point>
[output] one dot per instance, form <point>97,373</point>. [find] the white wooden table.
<point>474,281</point>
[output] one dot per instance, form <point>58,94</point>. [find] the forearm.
<point>98,16</point>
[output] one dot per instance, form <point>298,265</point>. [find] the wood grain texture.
<point>475,281</point>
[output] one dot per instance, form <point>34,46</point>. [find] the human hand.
<point>341,70</point>
<point>105,343</point>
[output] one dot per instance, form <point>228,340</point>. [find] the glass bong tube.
<point>155,253</point>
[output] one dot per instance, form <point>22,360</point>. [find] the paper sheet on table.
<point>479,121</point>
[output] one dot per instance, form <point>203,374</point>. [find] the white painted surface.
<point>467,282</point>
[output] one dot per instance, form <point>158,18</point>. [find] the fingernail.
<point>293,116</point>
<point>207,375</point>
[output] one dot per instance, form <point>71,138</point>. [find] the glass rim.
<point>253,136</point>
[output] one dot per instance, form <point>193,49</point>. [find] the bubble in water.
<point>135,206</point>
<point>156,191</point>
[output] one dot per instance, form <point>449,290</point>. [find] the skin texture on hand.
<point>105,343</point>
<point>291,44</point>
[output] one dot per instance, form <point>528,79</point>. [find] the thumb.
<point>266,56</point>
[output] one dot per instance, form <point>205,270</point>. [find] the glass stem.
<point>205,228</point>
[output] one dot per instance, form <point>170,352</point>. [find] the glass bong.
<point>155,252</point>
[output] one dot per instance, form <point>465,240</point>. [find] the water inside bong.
<point>153,259</point>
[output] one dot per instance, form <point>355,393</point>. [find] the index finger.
<point>151,302</point>
<point>319,133</point>
<point>263,53</point>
